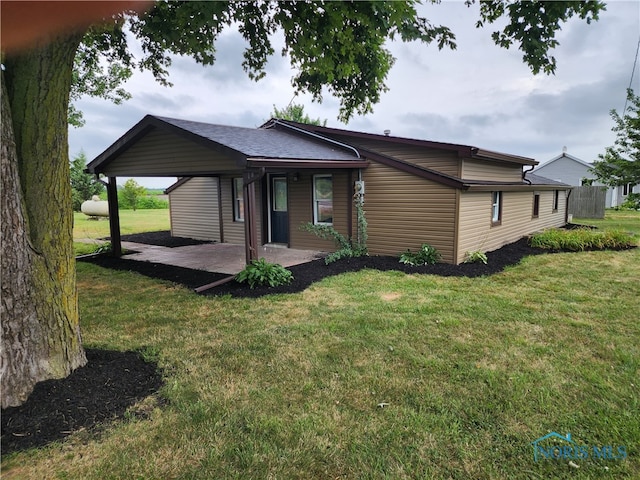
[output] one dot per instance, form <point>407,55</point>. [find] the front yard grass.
<point>625,220</point>
<point>87,232</point>
<point>370,375</point>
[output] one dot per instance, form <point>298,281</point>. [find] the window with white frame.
<point>322,200</point>
<point>496,208</point>
<point>627,189</point>
<point>556,200</point>
<point>238,200</point>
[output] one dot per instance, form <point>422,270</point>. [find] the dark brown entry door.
<point>279,210</point>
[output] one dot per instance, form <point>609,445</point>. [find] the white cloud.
<point>478,95</point>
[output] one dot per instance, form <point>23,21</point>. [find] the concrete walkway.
<point>216,257</point>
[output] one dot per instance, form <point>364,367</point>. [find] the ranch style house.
<point>258,186</point>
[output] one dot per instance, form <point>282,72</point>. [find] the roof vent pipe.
<point>387,133</point>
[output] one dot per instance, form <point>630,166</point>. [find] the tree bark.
<point>40,321</point>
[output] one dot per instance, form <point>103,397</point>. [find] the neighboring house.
<point>259,186</point>
<point>571,170</point>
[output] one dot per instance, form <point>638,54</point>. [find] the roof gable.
<point>238,143</point>
<point>565,155</point>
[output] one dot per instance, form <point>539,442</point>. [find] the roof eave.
<point>297,164</point>
<point>510,187</point>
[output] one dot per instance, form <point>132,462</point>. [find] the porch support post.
<point>114,217</point>
<point>250,232</point>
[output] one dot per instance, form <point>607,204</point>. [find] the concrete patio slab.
<point>216,257</point>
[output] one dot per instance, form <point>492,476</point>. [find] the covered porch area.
<point>252,212</point>
<point>223,258</point>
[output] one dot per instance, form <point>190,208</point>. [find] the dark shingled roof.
<point>262,143</point>
<point>538,180</point>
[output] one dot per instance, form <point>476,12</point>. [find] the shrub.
<point>152,202</point>
<point>632,202</point>
<point>346,248</point>
<point>427,255</point>
<point>475,257</point>
<point>580,239</point>
<point>260,272</point>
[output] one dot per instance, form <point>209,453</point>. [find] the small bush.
<point>346,248</point>
<point>475,257</point>
<point>427,255</point>
<point>260,273</point>
<point>104,248</point>
<point>632,202</point>
<point>580,239</point>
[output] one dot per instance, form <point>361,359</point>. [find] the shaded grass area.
<point>370,375</point>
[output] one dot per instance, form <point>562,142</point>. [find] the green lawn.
<point>131,221</point>
<point>370,375</point>
<point>627,220</point>
<point>138,221</point>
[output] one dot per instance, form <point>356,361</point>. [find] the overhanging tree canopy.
<point>337,45</point>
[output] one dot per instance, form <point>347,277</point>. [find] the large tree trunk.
<point>40,324</point>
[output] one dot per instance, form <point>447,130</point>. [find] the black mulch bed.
<point>308,273</point>
<point>162,238</point>
<point>100,391</point>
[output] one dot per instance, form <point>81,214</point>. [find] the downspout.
<point>524,174</point>
<point>566,208</point>
<point>315,135</point>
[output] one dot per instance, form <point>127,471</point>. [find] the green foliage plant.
<point>347,248</point>
<point>426,255</point>
<point>262,273</point>
<point>620,164</point>
<point>132,193</point>
<point>476,256</point>
<point>632,202</point>
<point>580,239</point>
<point>83,185</point>
<point>295,112</point>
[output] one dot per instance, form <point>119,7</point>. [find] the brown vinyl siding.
<point>301,211</point>
<point>439,160</point>
<point>159,154</point>
<point>493,171</point>
<point>404,211</point>
<point>477,233</point>
<point>195,210</point>
<point>234,231</point>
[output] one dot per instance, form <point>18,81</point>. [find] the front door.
<point>279,210</point>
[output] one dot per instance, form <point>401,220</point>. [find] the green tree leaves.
<point>132,192</point>
<point>337,46</point>
<point>620,164</point>
<point>533,25</point>
<point>83,185</point>
<point>295,113</point>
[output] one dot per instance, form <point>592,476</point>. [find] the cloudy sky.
<point>478,95</point>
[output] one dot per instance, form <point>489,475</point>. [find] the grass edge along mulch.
<point>308,273</point>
